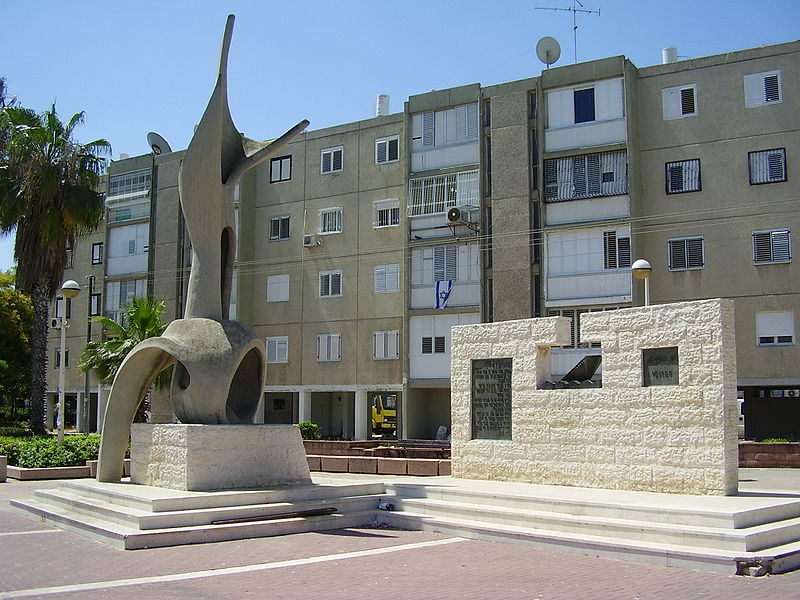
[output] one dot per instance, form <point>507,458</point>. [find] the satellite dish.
<point>158,144</point>
<point>548,50</point>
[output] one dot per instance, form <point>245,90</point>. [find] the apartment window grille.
<point>585,176</point>
<point>433,345</point>
<point>386,345</point>
<point>331,160</point>
<point>616,251</point>
<point>584,105</point>
<point>330,284</point>
<point>280,169</point>
<point>683,176</point>
<point>767,166</point>
<point>761,89</point>
<point>387,279</point>
<point>686,253</point>
<point>278,349</point>
<point>772,246</point>
<point>437,194</point>
<point>278,288</point>
<point>387,150</point>
<point>329,347</point>
<point>97,253</point>
<point>279,228</point>
<point>386,213</point>
<point>775,328</point>
<point>330,220</point>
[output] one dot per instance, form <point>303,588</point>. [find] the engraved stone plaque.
<point>660,366</point>
<point>491,399</point>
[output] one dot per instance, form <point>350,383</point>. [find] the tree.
<point>49,194</point>
<point>141,320</point>
<point>16,317</point>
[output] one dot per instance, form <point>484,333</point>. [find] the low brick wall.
<point>376,465</point>
<point>3,463</point>
<point>379,448</point>
<point>769,455</point>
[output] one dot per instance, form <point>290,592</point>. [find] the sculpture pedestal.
<point>217,457</point>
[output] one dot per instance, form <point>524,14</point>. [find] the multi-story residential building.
<point>361,245</point>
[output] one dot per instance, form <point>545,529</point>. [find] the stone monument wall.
<point>665,419</point>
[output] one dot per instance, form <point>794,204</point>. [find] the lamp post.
<point>641,269</point>
<point>69,289</point>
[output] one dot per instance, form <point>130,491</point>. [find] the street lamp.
<point>69,289</point>
<point>641,270</point>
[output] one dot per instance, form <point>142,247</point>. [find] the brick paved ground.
<point>34,555</point>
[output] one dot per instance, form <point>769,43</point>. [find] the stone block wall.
<point>669,438</point>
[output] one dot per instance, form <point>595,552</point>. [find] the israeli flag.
<point>443,289</point>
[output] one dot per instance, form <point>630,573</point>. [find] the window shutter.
<point>780,246</point>
<point>337,159</point>
<point>687,101</point>
<point>326,162</point>
<point>380,151</point>
<point>284,227</point>
<point>427,129</point>
<point>610,249</point>
<point>439,345</point>
<point>775,166</point>
<point>593,174</point>
<point>380,280</point>
<point>551,179</point>
<point>775,327</point>
<point>472,121</point>
<point>274,229</point>
<point>427,345</point>
<point>694,252</point>
<point>336,284</point>
<point>578,177</point>
<point>394,149</point>
<point>677,254</point>
<point>623,252</point>
<point>676,178</point>
<point>272,351</point>
<point>771,89</point>
<point>762,248</point>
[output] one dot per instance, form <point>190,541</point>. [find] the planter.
<point>23,474</point>
<point>2,469</point>
<point>754,455</point>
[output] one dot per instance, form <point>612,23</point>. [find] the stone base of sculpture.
<point>217,457</point>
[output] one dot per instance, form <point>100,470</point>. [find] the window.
<point>585,176</point>
<point>584,105</point>
<point>69,256</point>
<point>575,330</point>
<point>774,246</point>
<point>129,183</point>
<point>59,308</point>
<point>387,150</point>
<point>677,102</point>
<point>386,213</point>
<point>775,328</point>
<point>329,347</point>
<point>761,89</point>
<point>278,349</point>
<point>433,345</point>
<point>330,284</point>
<point>683,176</point>
<point>330,220</point>
<point>280,169</point>
<point>767,166</point>
<point>278,288</point>
<point>97,253</point>
<point>456,125</point>
<point>279,228</point>
<point>433,195</point>
<point>95,305</point>
<point>386,345</point>
<point>445,263</point>
<point>387,279</point>
<point>686,253</point>
<point>331,160</point>
<point>616,251</point>
<point>58,359</point>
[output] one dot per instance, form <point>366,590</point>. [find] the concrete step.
<point>741,512</point>
<point>778,559</point>
<point>131,538</point>
<point>654,529</point>
<point>145,520</point>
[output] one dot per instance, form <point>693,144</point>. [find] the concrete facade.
<point>678,439</point>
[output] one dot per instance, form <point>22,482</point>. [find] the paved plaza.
<point>39,561</point>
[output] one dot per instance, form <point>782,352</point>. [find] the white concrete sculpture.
<point>219,364</point>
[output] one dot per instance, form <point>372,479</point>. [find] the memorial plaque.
<point>660,366</point>
<point>491,399</point>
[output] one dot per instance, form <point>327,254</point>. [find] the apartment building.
<point>364,243</point>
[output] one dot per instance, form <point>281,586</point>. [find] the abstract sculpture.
<point>219,364</point>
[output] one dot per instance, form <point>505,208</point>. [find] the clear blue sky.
<point>142,66</point>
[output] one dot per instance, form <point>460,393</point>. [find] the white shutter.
<point>427,129</point>
<point>775,327</point>
<point>380,151</point>
<point>278,288</point>
<point>380,280</point>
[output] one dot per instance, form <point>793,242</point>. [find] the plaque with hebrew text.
<point>491,399</point>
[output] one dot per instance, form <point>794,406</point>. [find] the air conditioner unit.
<point>55,323</point>
<point>456,215</point>
<point>791,393</point>
<point>311,240</point>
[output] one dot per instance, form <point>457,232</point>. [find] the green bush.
<point>43,451</point>
<point>11,431</point>
<point>774,441</point>
<point>309,430</point>
<point>10,448</point>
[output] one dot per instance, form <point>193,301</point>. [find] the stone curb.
<point>421,467</point>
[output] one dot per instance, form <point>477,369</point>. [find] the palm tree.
<point>141,320</point>
<point>49,194</point>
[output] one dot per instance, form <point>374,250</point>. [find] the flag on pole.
<point>443,289</point>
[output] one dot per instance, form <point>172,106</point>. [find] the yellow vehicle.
<point>384,414</point>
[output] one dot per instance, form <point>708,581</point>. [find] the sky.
<point>136,67</point>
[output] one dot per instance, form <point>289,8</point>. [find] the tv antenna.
<point>574,9</point>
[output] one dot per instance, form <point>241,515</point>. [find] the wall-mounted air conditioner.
<point>309,241</point>
<point>461,215</point>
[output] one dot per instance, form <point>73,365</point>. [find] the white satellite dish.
<point>158,144</point>
<point>548,50</point>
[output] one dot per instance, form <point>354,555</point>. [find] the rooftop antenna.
<point>574,10</point>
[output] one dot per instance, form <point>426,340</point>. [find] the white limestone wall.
<point>675,438</point>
